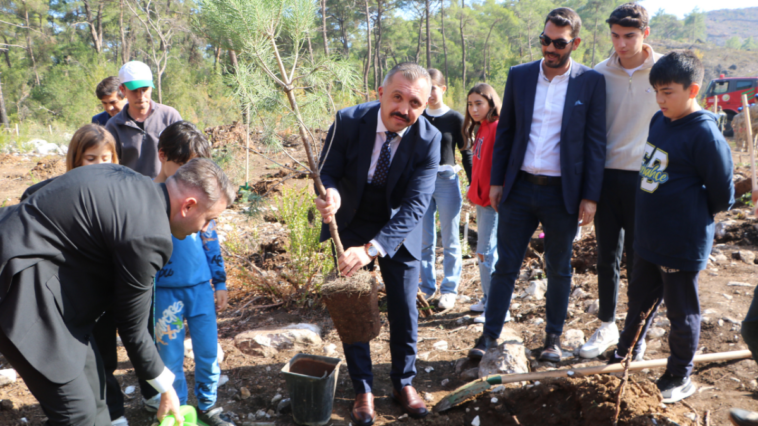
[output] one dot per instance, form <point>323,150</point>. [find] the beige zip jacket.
<point>629,106</point>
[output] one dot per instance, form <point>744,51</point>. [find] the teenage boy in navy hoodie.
<point>685,179</point>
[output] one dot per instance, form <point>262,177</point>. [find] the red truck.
<point>729,91</point>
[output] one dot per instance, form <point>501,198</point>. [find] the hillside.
<point>726,23</point>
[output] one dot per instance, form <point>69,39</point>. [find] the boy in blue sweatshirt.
<point>685,179</point>
<point>183,287</point>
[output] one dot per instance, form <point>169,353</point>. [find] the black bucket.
<point>311,382</point>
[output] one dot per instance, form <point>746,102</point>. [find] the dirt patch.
<point>589,401</point>
<point>49,167</point>
<point>741,234</point>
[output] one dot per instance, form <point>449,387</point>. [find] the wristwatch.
<point>371,251</point>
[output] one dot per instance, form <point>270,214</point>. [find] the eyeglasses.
<point>559,44</point>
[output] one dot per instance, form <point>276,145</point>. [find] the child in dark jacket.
<point>685,179</point>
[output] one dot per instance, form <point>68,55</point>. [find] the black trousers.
<point>614,230</point>
<point>80,402</point>
<point>104,334</point>
<point>652,284</point>
<point>146,389</point>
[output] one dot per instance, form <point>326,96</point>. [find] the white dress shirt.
<point>543,153</point>
<point>381,137</point>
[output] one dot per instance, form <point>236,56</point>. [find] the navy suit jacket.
<point>582,132</point>
<point>411,180</point>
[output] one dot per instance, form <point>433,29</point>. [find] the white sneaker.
<point>478,306</point>
<point>606,336</point>
<point>447,301</point>
<point>151,405</point>
<point>481,318</point>
<point>121,421</point>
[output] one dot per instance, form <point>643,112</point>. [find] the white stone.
<point>493,400</point>
<point>43,147</point>
<point>423,356</point>
<point>260,414</point>
<point>572,339</point>
<point>739,284</point>
<point>656,332</point>
<point>747,256</point>
<point>129,390</point>
<point>268,340</point>
<point>429,369</point>
<point>592,306</point>
<point>662,322</point>
<point>538,321</point>
<point>7,376</point>
<point>509,357</point>
<point>445,382</point>
<point>498,389</point>
<point>720,322</point>
<point>275,400</point>
<point>536,289</point>
<point>579,293</point>
<point>440,345</point>
<point>476,421</point>
<point>428,397</point>
<point>330,350</point>
<point>224,379</point>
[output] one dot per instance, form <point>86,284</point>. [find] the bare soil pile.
<point>354,307</point>
<point>589,401</point>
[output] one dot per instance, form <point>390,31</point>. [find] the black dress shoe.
<point>552,351</point>
<point>363,413</point>
<point>482,344</point>
<point>740,417</point>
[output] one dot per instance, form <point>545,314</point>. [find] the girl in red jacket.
<point>482,114</point>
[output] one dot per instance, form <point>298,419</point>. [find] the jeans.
<point>652,284</point>
<point>448,201</point>
<point>486,246</point>
<point>750,326</point>
<point>614,228</point>
<point>196,304</point>
<point>526,206</point>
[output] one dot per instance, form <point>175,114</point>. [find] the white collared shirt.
<point>381,137</point>
<point>543,153</point>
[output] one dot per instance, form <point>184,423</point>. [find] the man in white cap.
<point>137,127</point>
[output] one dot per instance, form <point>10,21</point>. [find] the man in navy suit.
<point>547,168</point>
<point>379,168</point>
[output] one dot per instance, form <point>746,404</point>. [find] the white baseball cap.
<point>135,74</point>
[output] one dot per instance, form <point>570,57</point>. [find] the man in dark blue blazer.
<point>379,168</point>
<point>547,168</point>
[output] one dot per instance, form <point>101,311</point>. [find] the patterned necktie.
<point>383,165</point>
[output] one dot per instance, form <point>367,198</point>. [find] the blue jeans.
<point>196,304</point>
<point>486,246</point>
<point>526,206</point>
<point>448,201</point>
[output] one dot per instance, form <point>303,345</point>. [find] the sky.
<point>682,7</point>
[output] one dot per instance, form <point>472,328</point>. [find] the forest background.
<point>54,52</point>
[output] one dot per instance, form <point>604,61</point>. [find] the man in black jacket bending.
<point>90,240</point>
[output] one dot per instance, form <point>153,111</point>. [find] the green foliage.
<point>733,43</point>
<point>310,260</point>
<point>750,44</point>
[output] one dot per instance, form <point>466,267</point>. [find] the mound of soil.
<point>589,401</point>
<point>741,234</point>
<point>49,167</point>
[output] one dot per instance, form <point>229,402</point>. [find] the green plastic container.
<point>311,382</point>
<point>189,413</point>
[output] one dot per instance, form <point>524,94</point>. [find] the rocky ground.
<point>255,391</point>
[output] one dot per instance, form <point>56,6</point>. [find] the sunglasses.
<point>559,44</point>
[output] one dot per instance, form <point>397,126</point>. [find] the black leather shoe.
<point>363,413</point>
<point>552,351</point>
<point>482,344</point>
<point>740,417</point>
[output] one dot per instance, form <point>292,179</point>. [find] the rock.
<point>129,390</point>
<point>710,312</point>
<point>429,369</point>
<point>720,322</point>
<point>7,404</point>
<point>538,321</point>
<point>445,382</point>
<point>739,284</point>
<point>428,397</point>
<point>260,414</point>
<point>224,379</point>
<point>746,256</point>
<point>330,350</point>
<point>493,400</point>
<point>508,357</point>
<point>403,417</point>
<point>7,376</point>
<point>572,339</point>
<point>275,400</point>
<point>592,306</point>
<point>470,374</point>
<point>579,293</point>
<point>476,421</point>
<point>656,332</point>
<point>726,296</point>
<point>244,393</point>
<point>498,389</point>
<point>662,322</point>
<point>536,289</point>
<point>732,320</point>
<point>43,147</point>
<point>267,341</point>
<point>423,356</point>
<point>720,258</point>
<point>284,406</point>
<point>188,353</point>
<point>440,345</point>
<point>753,384</point>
